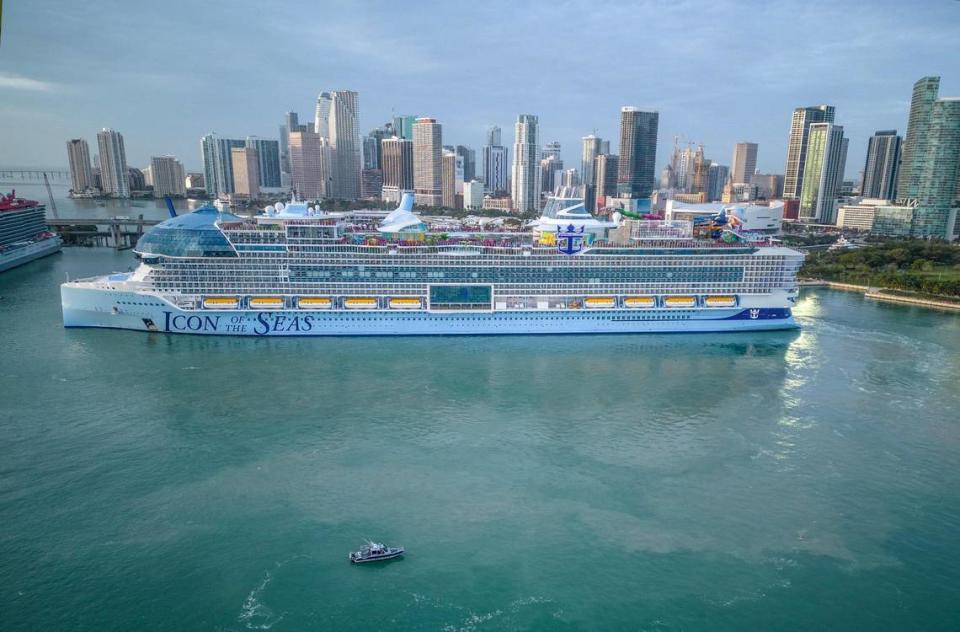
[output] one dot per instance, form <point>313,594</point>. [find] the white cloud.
<point>17,82</point>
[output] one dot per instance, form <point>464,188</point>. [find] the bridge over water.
<point>11,175</point>
<point>114,232</point>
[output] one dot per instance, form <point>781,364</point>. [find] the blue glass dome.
<point>191,235</point>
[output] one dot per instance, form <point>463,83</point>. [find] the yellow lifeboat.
<point>360,302</point>
<point>221,302</point>
<point>720,301</point>
<point>314,302</point>
<point>680,301</point>
<point>599,301</point>
<point>639,301</point>
<point>266,302</point>
<point>405,302</point>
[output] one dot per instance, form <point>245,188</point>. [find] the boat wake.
<point>255,614</point>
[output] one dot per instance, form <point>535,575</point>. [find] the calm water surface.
<point>775,481</point>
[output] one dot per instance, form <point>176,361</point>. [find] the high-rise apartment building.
<point>448,178</point>
<point>321,116</point>
<point>822,173</point>
<point>526,183</point>
<point>246,171</point>
<point>310,164</point>
<point>881,168</point>
<point>605,177</point>
<point>81,173</point>
<point>427,162</point>
<point>638,152</point>
<point>217,165</point>
<point>397,167</point>
<point>495,157</point>
<point>744,163</point>
<point>268,161</point>
<point>592,147</point>
<point>167,177</point>
<point>291,123</point>
<point>345,145</point>
<point>929,176</point>
<point>803,118</point>
<point>114,174</point>
<point>549,167</point>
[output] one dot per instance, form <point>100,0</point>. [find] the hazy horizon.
<point>718,72</point>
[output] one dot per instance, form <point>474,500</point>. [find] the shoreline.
<point>882,294</point>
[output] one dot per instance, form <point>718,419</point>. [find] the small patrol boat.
<point>375,552</point>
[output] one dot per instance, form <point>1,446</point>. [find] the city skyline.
<point>46,101</point>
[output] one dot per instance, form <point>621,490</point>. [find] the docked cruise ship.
<point>294,271</point>
<point>23,232</point>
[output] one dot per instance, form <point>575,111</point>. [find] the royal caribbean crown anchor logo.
<point>569,240</point>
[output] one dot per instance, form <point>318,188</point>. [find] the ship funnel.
<point>406,202</point>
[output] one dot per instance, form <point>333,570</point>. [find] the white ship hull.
<point>19,256</point>
<point>116,309</point>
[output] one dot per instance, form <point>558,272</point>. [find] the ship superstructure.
<point>296,271</point>
<point>24,235</point>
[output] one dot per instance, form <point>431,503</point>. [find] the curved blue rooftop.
<point>192,235</point>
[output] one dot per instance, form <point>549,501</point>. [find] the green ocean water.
<point>771,481</point>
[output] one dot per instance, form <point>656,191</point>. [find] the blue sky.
<point>164,73</point>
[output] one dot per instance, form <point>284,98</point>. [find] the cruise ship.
<point>296,271</point>
<point>23,232</point>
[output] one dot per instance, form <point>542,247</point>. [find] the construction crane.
<point>53,205</point>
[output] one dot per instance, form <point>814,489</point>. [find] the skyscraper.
<point>636,178</point>
<point>397,167</point>
<point>268,161</point>
<point>592,147</point>
<point>469,162</point>
<point>701,167</point>
<point>321,117</point>
<point>81,173</point>
<point>371,152</point>
<point>246,171</point>
<point>310,164</point>
<point>451,176</point>
<point>803,118</point>
<point>549,167</point>
<point>427,162</point>
<point>716,177</point>
<point>551,149</point>
<point>930,163</point>
<point>167,176</point>
<point>495,163</point>
<point>217,166</point>
<point>822,173</point>
<point>114,174</point>
<point>403,126</point>
<point>291,123</point>
<point>744,163</point>
<point>605,177</point>
<point>526,164</point>
<point>345,145</point>
<point>880,170</point>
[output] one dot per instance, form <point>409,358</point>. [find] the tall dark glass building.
<point>880,170</point>
<point>636,171</point>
